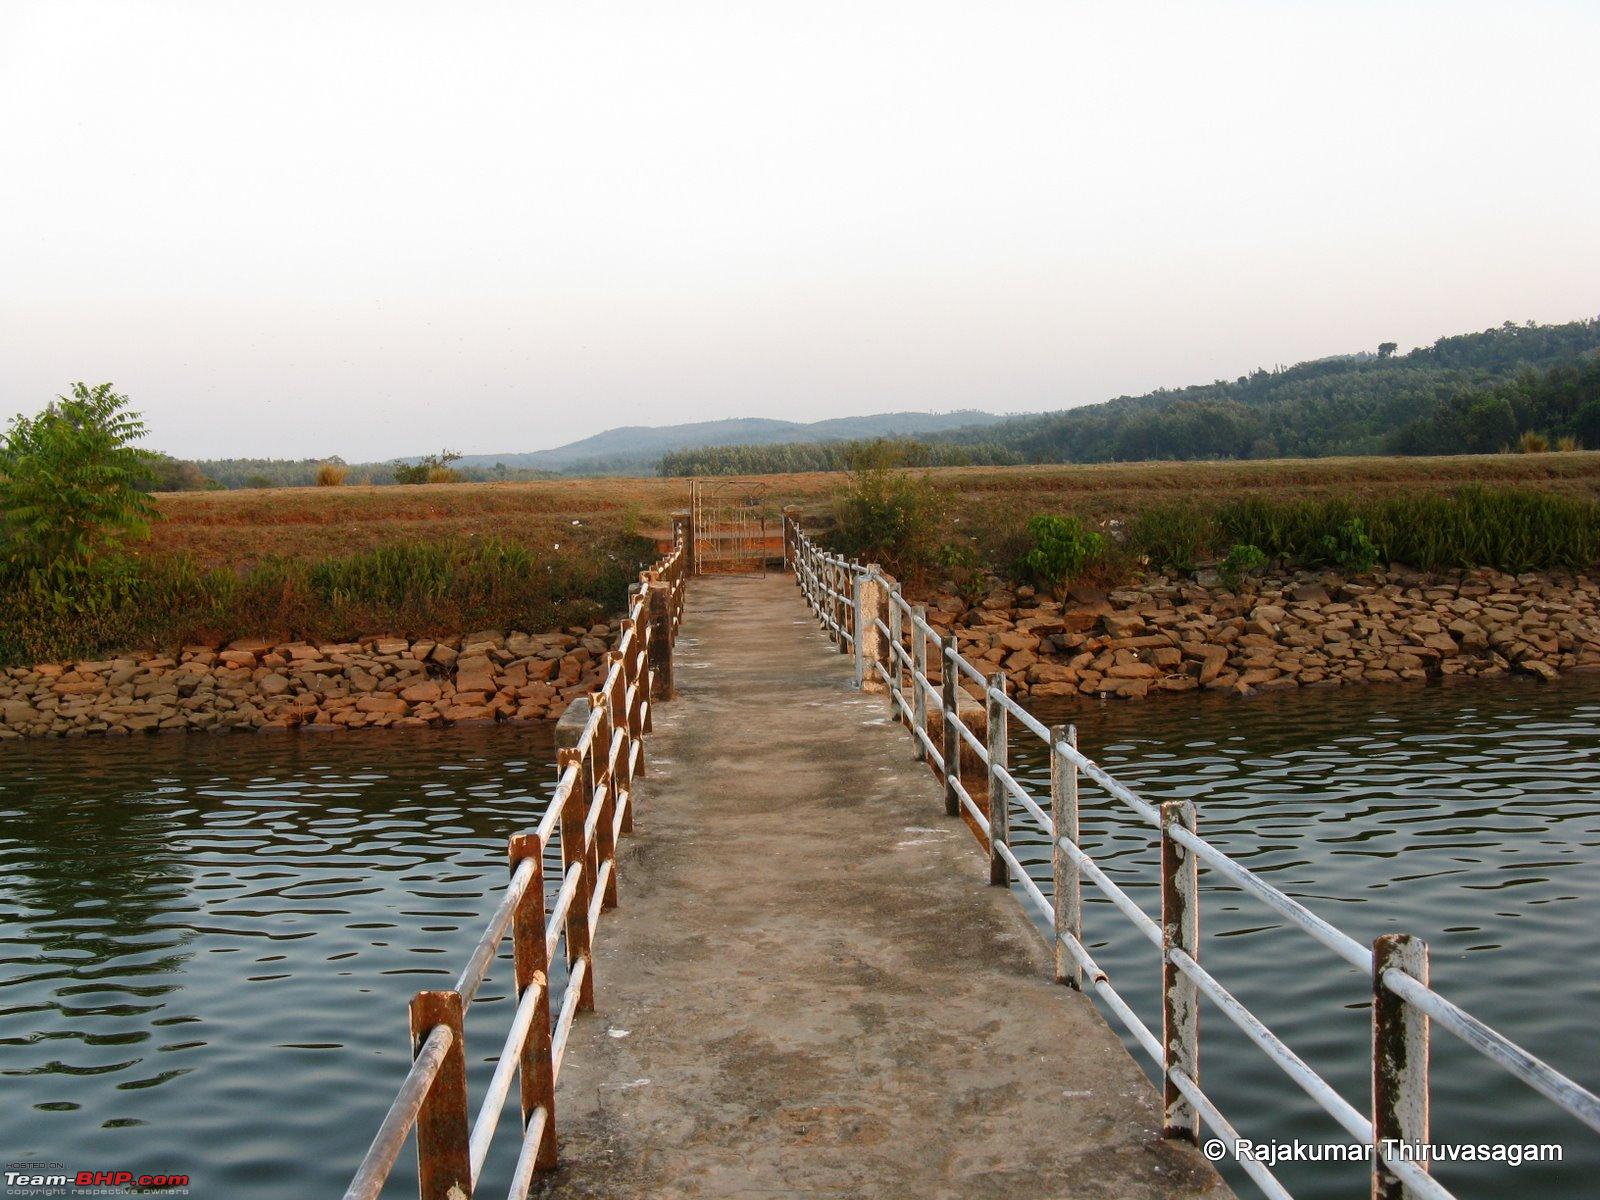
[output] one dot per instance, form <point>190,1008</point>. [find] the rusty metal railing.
<point>864,612</point>
<point>592,807</point>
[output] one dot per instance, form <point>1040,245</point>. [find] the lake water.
<point>210,942</point>
<point>1468,816</point>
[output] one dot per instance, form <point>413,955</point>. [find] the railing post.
<point>897,705</point>
<point>1180,1002</point>
<point>1399,1064</point>
<point>858,587</point>
<point>1064,820</point>
<point>661,641</point>
<point>872,647</point>
<point>444,1158</point>
<point>606,773</point>
<point>791,541</point>
<point>683,531</point>
<point>948,698</point>
<point>843,578</point>
<point>999,794</point>
<point>573,857</point>
<point>919,666</point>
<point>536,1070</point>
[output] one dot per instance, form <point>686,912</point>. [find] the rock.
<point>17,712</point>
<point>466,712</point>
<point>1123,624</point>
<point>1133,670</point>
<point>421,693</point>
<point>1538,668</point>
<point>382,704</point>
<point>273,685</point>
<point>478,681</point>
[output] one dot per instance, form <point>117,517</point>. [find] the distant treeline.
<point>1448,398</point>
<point>797,457</point>
<point>302,472</point>
<point>1515,386</point>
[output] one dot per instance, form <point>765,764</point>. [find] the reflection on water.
<point>1469,817</point>
<point>209,943</point>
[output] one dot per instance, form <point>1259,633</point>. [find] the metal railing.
<point>863,610</point>
<point>591,808</point>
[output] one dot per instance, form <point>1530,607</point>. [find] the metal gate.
<point>730,521</point>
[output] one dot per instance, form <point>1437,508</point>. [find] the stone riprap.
<point>256,684</point>
<point>1305,630</point>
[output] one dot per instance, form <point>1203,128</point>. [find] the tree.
<point>168,474</point>
<point>433,468</point>
<point>1489,425</point>
<point>72,484</point>
<point>1386,349</point>
<point>1062,547</point>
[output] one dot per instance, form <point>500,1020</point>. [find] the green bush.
<point>1349,548</point>
<point>1174,537</point>
<point>1242,560</point>
<point>1062,548</point>
<point>888,515</point>
<point>72,487</point>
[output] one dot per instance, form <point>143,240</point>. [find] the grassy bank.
<point>423,588</point>
<point>336,563</point>
<point>1534,512</point>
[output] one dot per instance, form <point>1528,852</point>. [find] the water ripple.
<point>1471,821</point>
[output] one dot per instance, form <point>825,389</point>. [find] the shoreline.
<point>1298,630</point>
<point>257,685</point>
<point>1163,635</point>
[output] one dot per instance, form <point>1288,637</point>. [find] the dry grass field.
<point>240,528</point>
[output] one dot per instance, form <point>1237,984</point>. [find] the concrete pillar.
<point>660,617</point>
<point>570,727</point>
<point>683,527</point>
<point>791,527</point>
<point>873,607</point>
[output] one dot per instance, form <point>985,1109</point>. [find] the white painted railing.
<point>864,612</point>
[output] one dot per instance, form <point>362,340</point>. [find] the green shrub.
<point>1349,548</point>
<point>1242,560</point>
<point>72,487</point>
<point>1174,537</point>
<point>1062,548</point>
<point>433,468</point>
<point>966,570</point>
<point>888,515</point>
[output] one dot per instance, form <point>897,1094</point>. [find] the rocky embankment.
<point>1302,631</point>
<point>255,684</point>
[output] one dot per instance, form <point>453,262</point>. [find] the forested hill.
<point>641,446</point>
<point>1474,392</point>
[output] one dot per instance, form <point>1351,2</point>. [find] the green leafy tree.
<point>72,485</point>
<point>888,514</point>
<point>1062,548</point>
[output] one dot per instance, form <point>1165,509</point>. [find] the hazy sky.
<point>295,229</point>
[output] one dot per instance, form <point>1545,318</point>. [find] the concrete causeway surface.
<point>809,988</point>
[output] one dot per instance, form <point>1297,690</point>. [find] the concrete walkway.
<point>809,988</point>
